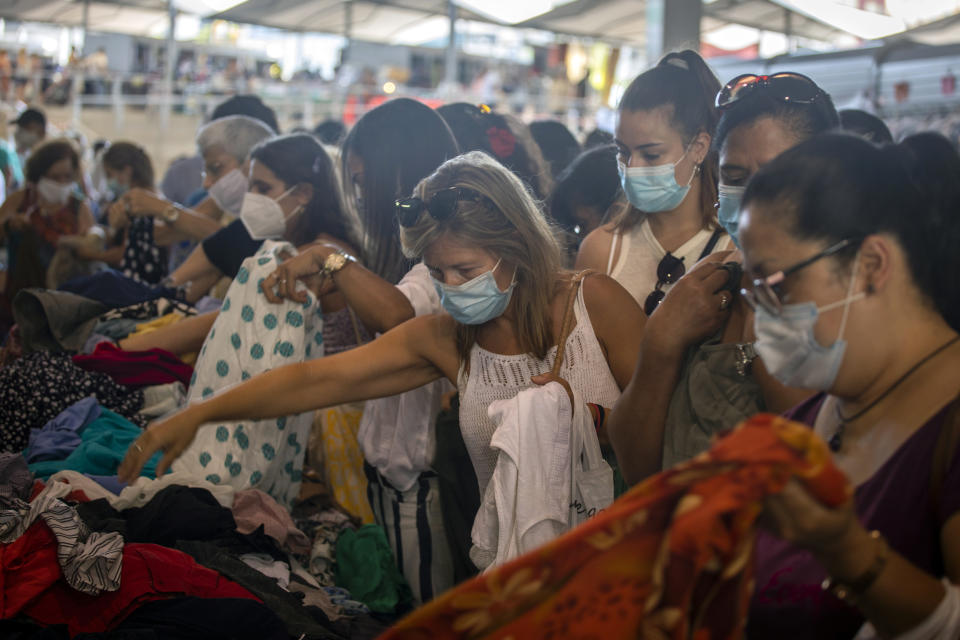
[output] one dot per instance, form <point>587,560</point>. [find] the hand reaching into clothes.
<point>305,267</point>
<point>172,436</point>
<point>693,309</point>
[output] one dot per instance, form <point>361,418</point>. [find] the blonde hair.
<point>509,225</point>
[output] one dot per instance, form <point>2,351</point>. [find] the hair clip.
<point>502,141</point>
<point>484,108</point>
<point>678,62</point>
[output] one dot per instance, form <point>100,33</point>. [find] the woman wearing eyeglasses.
<point>698,373</point>
<point>666,123</point>
<point>496,264</point>
<point>851,254</point>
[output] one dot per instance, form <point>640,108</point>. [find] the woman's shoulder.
<point>595,250</point>
<point>605,298</point>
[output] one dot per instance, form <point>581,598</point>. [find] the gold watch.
<point>335,262</point>
<point>171,213</point>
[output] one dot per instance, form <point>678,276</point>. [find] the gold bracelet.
<point>850,591</point>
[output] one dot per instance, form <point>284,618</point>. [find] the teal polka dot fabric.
<point>249,337</point>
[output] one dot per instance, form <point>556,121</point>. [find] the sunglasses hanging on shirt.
<point>670,269</point>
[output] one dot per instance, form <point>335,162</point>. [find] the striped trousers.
<point>413,522</point>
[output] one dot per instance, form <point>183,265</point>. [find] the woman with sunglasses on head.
<point>851,251</point>
<point>497,265</point>
<point>698,373</point>
<point>387,152</point>
<point>665,126</point>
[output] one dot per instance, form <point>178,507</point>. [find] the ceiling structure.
<point>615,21</point>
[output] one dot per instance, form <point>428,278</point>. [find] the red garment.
<point>28,567</point>
<point>49,227</point>
<point>671,559</point>
<point>150,572</point>
<point>136,368</point>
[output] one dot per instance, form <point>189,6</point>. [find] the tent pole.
<point>450,70</point>
<point>166,105</point>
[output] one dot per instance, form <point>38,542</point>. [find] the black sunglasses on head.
<point>441,206</point>
<point>785,87</point>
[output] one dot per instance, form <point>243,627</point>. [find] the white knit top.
<point>499,377</point>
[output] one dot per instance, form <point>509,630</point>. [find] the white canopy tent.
<point>614,21</point>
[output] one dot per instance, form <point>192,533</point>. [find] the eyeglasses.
<point>785,87</point>
<point>441,206</point>
<point>669,271</point>
<point>766,292</point>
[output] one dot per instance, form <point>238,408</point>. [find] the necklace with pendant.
<point>836,440</point>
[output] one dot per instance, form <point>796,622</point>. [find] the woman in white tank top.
<point>669,176</point>
<point>496,263</point>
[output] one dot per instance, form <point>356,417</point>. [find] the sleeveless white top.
<point>641,252</point>
<point>493,376</point>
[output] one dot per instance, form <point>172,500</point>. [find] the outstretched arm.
<point>379,305</point>
<point>410,356</point>
<point>183,337</point>
<point>197,223</point>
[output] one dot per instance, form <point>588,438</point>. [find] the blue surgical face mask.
<point>728,210</point>
<point>654,189</point>
<point>789,349</point>
<point>116,188</point>
<point>476,301</point>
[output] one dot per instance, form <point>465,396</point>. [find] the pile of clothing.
<point>165,558</point>
<point>186,555</point>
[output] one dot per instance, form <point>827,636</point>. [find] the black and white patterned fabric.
<point>149,310</point>
<point>91,561</point>
<point>39,386</point>
<point>143,260</point>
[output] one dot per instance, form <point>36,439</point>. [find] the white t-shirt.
<point>396,433</point>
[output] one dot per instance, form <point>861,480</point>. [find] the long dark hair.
<point>299,158</point>
<point>506,139</point>
<point>127,154</point>
<point>47,155</point>
<point>838,186</point>
<point>683,81</point>
<point>558,145</point>
<point>400,143</point>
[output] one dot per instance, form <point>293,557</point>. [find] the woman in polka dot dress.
<point>250,335</point>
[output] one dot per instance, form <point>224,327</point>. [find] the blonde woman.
<point>496,263</point>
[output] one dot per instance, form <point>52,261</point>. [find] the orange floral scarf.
<point>671,559</point>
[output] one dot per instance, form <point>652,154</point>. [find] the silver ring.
<point>138,447</point>
<point>725,300</point>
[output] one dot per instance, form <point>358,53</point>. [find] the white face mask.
<point>53,191</point>
<point>263,217</point>
<point>789,349</point>
<point>229,191</point>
